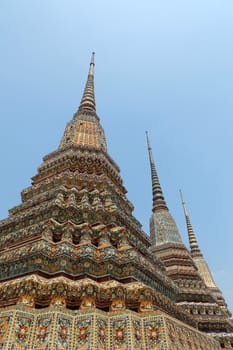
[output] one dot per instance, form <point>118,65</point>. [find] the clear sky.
<point>163,66</point>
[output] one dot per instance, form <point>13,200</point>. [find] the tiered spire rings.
<point>194,247</point>
<point>88,99</point>
<point>158,198</point>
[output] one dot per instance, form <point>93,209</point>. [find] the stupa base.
<point>25,328</point>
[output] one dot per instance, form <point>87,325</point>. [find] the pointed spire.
<point>194,248</point>
<point>195,251</point>
<point>88,99</point>
<point>158,198</point>
<point>85,128</point>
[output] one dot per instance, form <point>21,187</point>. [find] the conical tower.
<point>195,251</point>
<point>85,128</point>
<point>166,240</point>
<point>198,293</point>
<point>76,268</point>
<point>200,261</point>
<point>163,228</point>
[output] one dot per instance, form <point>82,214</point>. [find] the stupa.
<point>78,272</point>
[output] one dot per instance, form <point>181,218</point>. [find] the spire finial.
<point>88,99</point>
<point>92,64</point>
<point>158,198</point>
<point>92,58</point>
<point>194,248</point>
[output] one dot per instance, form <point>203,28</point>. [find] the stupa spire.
<point>85,128</point>
<point>197,255</point>
<point>194,247</point>
<point>157,193</point>
<point>88,98</point>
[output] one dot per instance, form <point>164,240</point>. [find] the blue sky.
<point>162,66</point>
